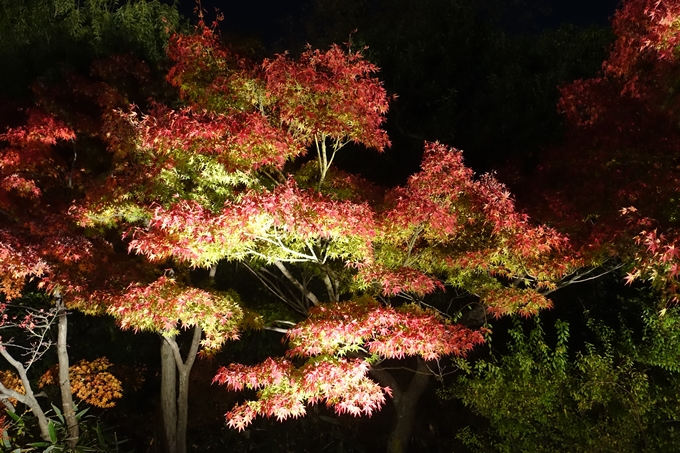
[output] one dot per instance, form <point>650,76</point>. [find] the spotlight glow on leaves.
<point>446,224</point>
<point>90,381</point>
<point>325,338</point>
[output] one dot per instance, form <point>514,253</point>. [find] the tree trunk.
<point>405,404</point>
<point>169,394</point>
<point>28,398</point>
<point>67,406</point>
<point>183,398</point>
<point>174,403</point>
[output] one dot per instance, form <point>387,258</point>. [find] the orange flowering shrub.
<point>90,382</point>
<point>10,380</point>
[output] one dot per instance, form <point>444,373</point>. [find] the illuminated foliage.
<point>280,224</point>
<point>330,338</point>
<point>445,223</point>
<point>163,305</point>
<point>211,178</point>
<point>11,381</point>
<point>26,250</point>
<point>89,381</point>
<point>622,138</point>
<point>621,151</point>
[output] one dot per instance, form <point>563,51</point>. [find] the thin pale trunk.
<point>169,394</point>
<point>322,158</point>
<point>405,404</point>
<point>174,402</point>
<point>67,406</point>
<point>28,398</point>
<point>183,398</point>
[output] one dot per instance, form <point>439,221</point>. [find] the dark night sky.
<point>261,17</point>
<point>251,17</point>
<point>582,12</point>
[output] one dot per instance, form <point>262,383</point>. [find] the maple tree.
<point>613,185</point>
<point>214,218</point>
<point>237,132</point>
<point>619,154</point>
<point>207,183</point>
<point>223,174</point>
<point>444,228</point>
<point>194,185</point>
<point>40,180</point>
<point>644,63</point>
<point>49,154</point>
<point>26,203</point>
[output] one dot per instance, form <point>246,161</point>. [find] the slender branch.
<point>423,369</point>
<point>298,298</point>
<point>193,349</point>
<point>73,165</point>
<point>577,278</point>
<point>432,307</point>
<point>6,214</point>
<point>323,159</point>
<point>276,240</point>
<point>308,294</point>
<point>411,243</point>
<point>313,252</point>
<point>597,276</point>
<point>336,147</point>
<point>268,175</point>
<point>22,373</point>
<point>318,150</point>
<point>409,297</point>
<point>28,398</point>
<point>324,154</point>
<point>279,243</point>
<point>39,328</point>
<point>331,281</point>
<point>275,329</point>
<point>430,371</point>
<point>285,260</point>
<point>320,159</point>
<point>274,289</point>
<point>5,401</point>
<point>42,347</point>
